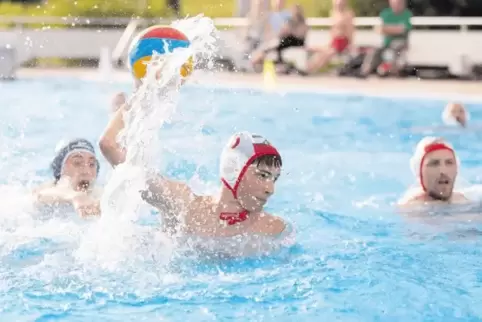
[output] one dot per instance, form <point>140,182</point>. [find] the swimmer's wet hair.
<point>269,161</point>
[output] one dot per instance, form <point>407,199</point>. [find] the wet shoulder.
<point>198,208</point>
<point>420,200</point>
<point>413,201</point>
<point>271,225</point>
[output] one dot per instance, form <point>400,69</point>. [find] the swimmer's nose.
<point>269,188</point>
<point>86,171</point>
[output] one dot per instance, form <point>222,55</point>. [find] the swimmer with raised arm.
<point>75,169</point>
<point>250,167</point>
<point>435,165</point>
<point>120,98</point>
<point>455,118</point>
<point>455,114</point>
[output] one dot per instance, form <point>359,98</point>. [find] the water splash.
<point>151,106</point>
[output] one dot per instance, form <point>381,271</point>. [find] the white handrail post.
<point>124,40</point>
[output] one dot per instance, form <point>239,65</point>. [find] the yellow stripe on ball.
<point>139,69</point>
<point>187,68</point>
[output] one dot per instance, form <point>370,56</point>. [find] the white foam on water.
<point>115,236</point>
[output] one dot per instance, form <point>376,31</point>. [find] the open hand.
<point>86,206</point>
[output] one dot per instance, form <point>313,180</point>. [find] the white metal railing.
<point>462,22</point>
<point>124,40</point>
<point>427,47</point>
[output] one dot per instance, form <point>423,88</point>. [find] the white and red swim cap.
<point>424,147</point>
<point>242,149</point>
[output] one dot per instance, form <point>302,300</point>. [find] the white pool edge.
<point>287,89</point>
<point>387,88</point>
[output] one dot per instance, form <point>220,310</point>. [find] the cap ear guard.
<point>240,151</point>
<point>419,153</point>
<point>234,157</point>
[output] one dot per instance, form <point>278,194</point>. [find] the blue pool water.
<point>345,164</point>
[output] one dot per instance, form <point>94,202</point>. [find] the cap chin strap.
<point>427,150</point>
<point>260,150</point>
<point>232,218</point>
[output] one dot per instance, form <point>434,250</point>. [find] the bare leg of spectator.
<point>258,57</point>
<point>320,59</point>
<point>399,60</point>
<point>366,67</point>
<point>371,61</point>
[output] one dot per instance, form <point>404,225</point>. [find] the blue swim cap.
<point>66,149</point>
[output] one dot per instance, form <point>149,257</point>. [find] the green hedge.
<point>157,8</point>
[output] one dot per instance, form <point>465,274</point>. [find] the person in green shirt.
<point>395,29</point>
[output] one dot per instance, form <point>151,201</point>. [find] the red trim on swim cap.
<point>436,146</point>
<point>236,143</point>
<point>260,150</point>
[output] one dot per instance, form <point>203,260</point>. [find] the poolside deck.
<point>441,89</point>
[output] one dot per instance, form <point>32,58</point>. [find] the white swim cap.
<point>242,149</point>
<point>424,147</point>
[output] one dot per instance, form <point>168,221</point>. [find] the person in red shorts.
<point>341,37</point>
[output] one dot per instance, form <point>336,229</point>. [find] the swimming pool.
<point>345,163</point>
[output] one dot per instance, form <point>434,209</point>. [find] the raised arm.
<point>118,101</point>
<point>165,194</point>
<point>108,144</point>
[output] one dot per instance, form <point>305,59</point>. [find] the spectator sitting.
<point>257,28</point>
<point>291,34</point>
<point>395,29</point>
<point>341,37</point>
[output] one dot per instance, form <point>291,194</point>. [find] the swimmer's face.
<point>439,171</point>
<point>339,4</point>
<point>257,186</point>
<point>457,111</point>
<point>397,5</point>
<point>81,168</point>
